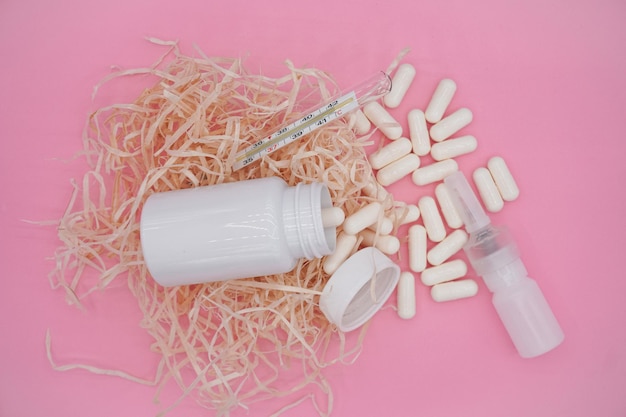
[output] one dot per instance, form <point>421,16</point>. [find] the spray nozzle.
<point>466,203</point>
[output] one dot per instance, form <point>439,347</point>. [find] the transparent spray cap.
<point>466,203</point>
<point>493,254</point>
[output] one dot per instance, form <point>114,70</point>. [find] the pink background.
<point>545,80</point>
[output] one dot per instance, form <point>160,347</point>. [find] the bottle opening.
<point>302,215</point>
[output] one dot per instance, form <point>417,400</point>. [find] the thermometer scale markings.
<point>290,133</point>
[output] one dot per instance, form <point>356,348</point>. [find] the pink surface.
<point>546,83</point>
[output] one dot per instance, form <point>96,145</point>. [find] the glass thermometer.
<point>370,90</point>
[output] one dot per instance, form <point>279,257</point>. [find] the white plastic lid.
<point>359,288</point>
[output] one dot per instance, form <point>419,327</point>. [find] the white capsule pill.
<point>433,222</point>
<point>447,271</point>
<point>345,244</point>
<point>434,172</point>
<point>440,100</point>
<point>454,290</point>
<point>362,218</point>
<point>381,118</point>
<point>418,132</point>
<point>503,178</point>
<point>406,295</point>
<point>451,148</point>
<point>384,227</point>
<point>375,190</point>
<point>360,123</point>
<point>387,244</point>
<point>400,83</point>
<point>398,169</point>
<point>417,248</point>
<point>448,210</point>
<point>390,153</point>
<point>407,214</point>
<point>332,217</point>
<point>451,124</point>
<point>488,190</point>
<point>453,243</point>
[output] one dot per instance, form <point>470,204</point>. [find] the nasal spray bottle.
<point>493,254</point>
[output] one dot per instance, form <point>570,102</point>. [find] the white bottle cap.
<point>359,288</point>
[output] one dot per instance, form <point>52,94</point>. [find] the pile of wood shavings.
<point>227,344</point>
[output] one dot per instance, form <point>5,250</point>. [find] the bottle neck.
<point>302,221</point>
<point>506,276</point>
<point>494,256</point>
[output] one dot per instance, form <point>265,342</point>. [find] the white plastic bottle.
<point>493,254</point>
<point>234,230</point>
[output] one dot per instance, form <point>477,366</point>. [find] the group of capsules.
<point>429,133</point>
